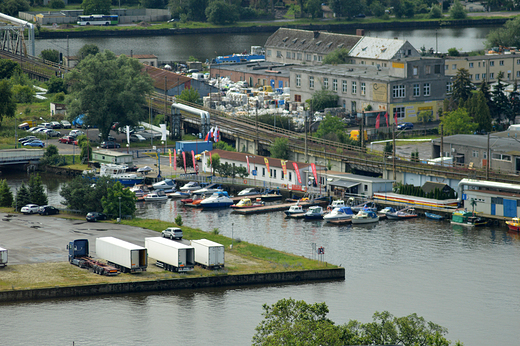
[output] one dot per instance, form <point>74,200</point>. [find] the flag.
<point>207,137</point>
<point>313,167</point>
<point>216,134</point>
<point>284,167</point>
<point>194,161</point>
<point>386,117</point>
<point>184,158</point>
<point>295,165</point>
<point>395,118</point>
<point>247,159</point>
<point>163,132</point>
<point>377,121</point>
<point>170,156</point>
<point>128,134</point>
<point>175,159</point>
<point>267,165</point>
<point>204,161</point>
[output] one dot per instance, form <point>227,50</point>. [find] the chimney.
<point>360,32</point>
<point>316,34</point>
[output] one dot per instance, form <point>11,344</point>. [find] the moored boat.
<point>294,210</point>
<point>117,172</point>
<point>166,184</point>
<point>369,206</point>
<point>388,210</point>
<point>314,213</point>
<point>211,188</point>
<point>434,216</point>
<point>249,192</point>
<point>365,216</point>
<point>156,196</point>
<point>403,214</point>
<point>247,203</point>
<point>514,224</point>
<point>339,203</point>
<point>340,213</point>
<point>468,218</point>
<point>217,200</point>
<point>140,190</point>
<point>190,186</point>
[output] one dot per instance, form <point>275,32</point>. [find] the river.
<point>463,279</point>
<point>181,47</point>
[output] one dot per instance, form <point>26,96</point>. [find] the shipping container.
<point>171,255</point>
<point>125,256</point>
<point>197,146</point>
<point>3,257</point>
<point>208,253</point>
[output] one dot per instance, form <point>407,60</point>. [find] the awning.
<point>344,183</point>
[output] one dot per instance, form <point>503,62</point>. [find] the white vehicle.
<point>191,186</point>
<point>3,257</point>
<point>171,255</point>
<point>66,124</point>
<point>249,192</point>
<point>172,233</point>
<point>32,129</point>
<point>123,255</point>
<point>137,138</point>
<point>76,133</point>
<point>208,253</point>
<point>98,19</point>
<point>39,130</point>
<point>30,209</point>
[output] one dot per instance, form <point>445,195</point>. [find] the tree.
<point>82,195</point>
<point>95,7</point>
<point>435,12</point>
<point>36,192</point>
<point>457,11</point>
<point>458,121</point>
<point>346,8</point>
<point>86,149</point>
<point>7,102</point>
<point>56,85</point>
<point>332,128</point>
<point>462,85</point>
<point>501,105</point>
<point>453,52</point>
<point>313,7</point>
<point>479,111</point>
<point>51,55</point>
<point>506,36</point>
<point>108,89</point>
<point>214,161</point>
<point>6,196</point>
<point>111,201</point>
<point>377,9</point>
<point>514,99</point>
<point>220,12</point>
<point>51,156</point>
<point>153,3</point>
<point>86,50</point>
<point>280,148</point>
<point>323,99</point>
<point>56,4</point>
<point>23,93</point>
<point>23,197</point>
<point>336,57</point>
<point>190,95</point>
<point>8,67</point>
<point>408,8</point>
<point>12,7</point>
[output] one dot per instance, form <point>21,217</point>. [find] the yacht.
<point>341,213</point>
<point>166,184</point>
<point>248,192</point>
<point>191,186</point>
<point>365,216</point>
<point>117,172</point>
<point>217,200</point>
<point>314,213</point>
<point>211,188</point>
<point>156,196</point>
<point>295,210</point>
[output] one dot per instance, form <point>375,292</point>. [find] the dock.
<point>273,207</point>
<point>265,198</point>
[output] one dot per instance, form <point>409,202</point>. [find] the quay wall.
<point>174,284</point>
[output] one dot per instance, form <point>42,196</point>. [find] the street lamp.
<point>232,239</point>
<point>16,131</point>
<point>119,209</point>
<point>151,134</point>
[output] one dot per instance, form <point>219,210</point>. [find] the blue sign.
<point>253,172</point>
<point>464,197</point>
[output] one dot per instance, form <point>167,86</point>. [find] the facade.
<point>346,184</point>
<point>492,198</point>
<point>175,83</point>
<point>403,89</point>
<point>256,74</point>
<point>487,67</point>
<point>58,108</point>
<point>111,156</point>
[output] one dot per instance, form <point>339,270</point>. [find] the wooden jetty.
<point>273,207</point>
<point>265,198</point>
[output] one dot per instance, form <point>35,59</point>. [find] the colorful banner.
<point>194,161</point>
<point>395,118</point>
<point>184,158</point>
<point>284,167</point>
<point>377,121</point>
<point>386,117</point>
<point>247,159</point>
<point>174,159</point>
<point>297,172</point>
<point>267,165</point>
<point>170,156</point>
<point>313,167</point>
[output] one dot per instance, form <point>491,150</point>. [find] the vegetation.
<point>280,148</point>
<point>119,201</point>
<point>6,196</point>
<point>96,7</point>
<point>7,101</point>
<point>178,220</point>
<point>190,95</point>
<point>338,56</point>
<point>34,194</point>
<point>458,121</point>
<point>323,99</point>
<point>457,10</point>
<point>12,7</point>
<point>506,36</point>
<point>411,190</point>
<point>50,55</point>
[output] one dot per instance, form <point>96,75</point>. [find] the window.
<point>416,90</point>
<point>518,73</point>
<point>299,56</point>
<point>274,171</point>
<point>398,91</point>
<point>311,82</point>
<point>491,63</point>
<point>449,87</point>
<point>308,57</point>
<point>409,52</point>
<point>454,66</point>
<point>502,157</point>
<point>334,85</point>
<point>294,55</point>
<point>483,76</point>
<point>437,69</point>
<point>484,155</point>
<point>399,112</point>
<point>270,172</point>
<point>344,86</point>
<point>415,70</point>
<point>297,98</point>
<point>278,54</point>
<point>426,89</point>
<point>268,52</point>
<point>290,176</point>
<point>471,77</point>
<point>477,76</point>
<point>365,187</point>
<point>263,171</point>
<point>315,58</point>
<point>363,88</point>
<point>446,67</point>
<point>501,62</point>
<point>474,153</point>
<point>320,58</point>
<point>428,69</point>
<point>298,80</point>
<point>354,87</point>
<point>470,65</point>
<point>491,75</point>
<point>288,55</point>
<point>518,62</point>
<point>325,83</point>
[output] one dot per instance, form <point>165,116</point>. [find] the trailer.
<point>208,254</point>
<point>79,256</point>
<point>3,257</point>
<point>127,257</point>
<point>171,255</point>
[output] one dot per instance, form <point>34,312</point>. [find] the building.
<point>58,108</point>
<point>490,197</point>
<point>111,156</point>
<point>381,51</point>
<point>175,83</point>
<point>256,74</point>
<point>346,184</point>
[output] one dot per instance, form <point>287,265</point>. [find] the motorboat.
<point>295,210</point>
<point>217,200</point>
<point>156,196</point>
<point>180,194</point>
<point>434,216</point>
<point>339,203</point>
<point>468,218</point>
<point>140,190</point>
<point>388,210</point>
<point>195,198</point>
<point>116,172</point>
<point>191,186</point>
<point>403,214</point>
<point>211,188</point>
<point>514,224</point>
<point>369,206</point>
<point>249,192</point>
<point>166,184</point>
<point>365,216</point>
<point>247,203</point>
<point>314,213</point>
<point>340,213</point>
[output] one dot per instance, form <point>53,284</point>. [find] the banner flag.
<point>267,165</point>
<point>194,161</point>
<point>377,121</point>
<point>170,156</point>
<point>284,167</point>
<point>295,165</point>
<point>174,160</point>
<point>386,117</point>
<point>247,159</point>
<point>184,158</point>
<point>313,167</point>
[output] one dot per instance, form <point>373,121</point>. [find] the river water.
<point>181,47</point>
<point>463,279</point>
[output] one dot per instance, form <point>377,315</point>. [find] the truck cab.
<point>77,248</point>
<point>172,233</point>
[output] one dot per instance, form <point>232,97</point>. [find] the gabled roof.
<point>310,41</point>
<point>256,159</point>
<point>432,185</point>
<point>380,48</point>
<point>172,79</point>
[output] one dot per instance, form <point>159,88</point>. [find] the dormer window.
<point>294,41</point>
<point>318,43</point>
<point>285,39</point>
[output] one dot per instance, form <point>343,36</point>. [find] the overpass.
<point>19,157</point>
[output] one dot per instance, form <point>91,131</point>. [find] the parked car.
<point>46,125</point>
<point>39,130</point>
<point>24,126</point>
<point>405,126</point>
<point>172,233</point>
<point>56,125</point>
<point>30,209</point>
<point>66,124</point>
<point>110,145</point>
<point>34,144</point>
<point>26,138</point>
<point>95,216</point>
<point>34,129</point>
<point>110,138</point>
<point>66,139</point>
<point>52,133</point>
<point>137,138</point>
<point>76,133</point>
<point>48,210</point>
<point>30,140</point>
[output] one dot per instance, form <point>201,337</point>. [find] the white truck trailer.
<point>3,257</point>
<point>208,254</point>
<point>121,254</point>
<point>171,255</point>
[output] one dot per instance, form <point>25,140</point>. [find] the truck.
<point>27,124</point>
<point>171,255</point>
<point>3,257</point>
<point>208,254</point>
<point>79,256</point>
<point>125,256</point>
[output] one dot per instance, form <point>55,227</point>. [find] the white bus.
<point>98,19</point>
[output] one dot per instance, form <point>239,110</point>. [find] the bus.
<point>98,19</point>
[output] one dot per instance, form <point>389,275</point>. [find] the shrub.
<point>178,220</point>
<point>56,4</point>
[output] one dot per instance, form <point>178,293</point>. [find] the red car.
<point>67,139</point>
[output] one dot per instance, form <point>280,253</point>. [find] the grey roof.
<point>381,48</point>
<point>432,185</point>
<point>261,67</point>
<point>356,178</point>
<point>496,143</point>
<point>349,70</point>
<point>310,41</point>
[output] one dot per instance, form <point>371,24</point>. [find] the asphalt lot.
<point>38,239</point>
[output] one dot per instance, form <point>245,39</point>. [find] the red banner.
<point>377,121</point>
<point>194,161</point>
<point>170,156</point>
<point>284,167</point>
<point>313,167</point>
<point>174,159</point>
<point>267,165</point>
<point>297,172</point>
<point>184,158</point>
<point>386,117</point>
<point>247,159</point>
<point>395,118</point>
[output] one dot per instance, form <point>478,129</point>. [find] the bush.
<point>56,4</point>
<point>178,220</point>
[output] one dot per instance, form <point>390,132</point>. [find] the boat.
<point>249,192</point>
<point>314,213</point>
<point>468,218</point>
<point>211,188</point>
<point>340,213</point>
<point>195,198</point>
<point>140,190</point>
<point>190,186</point>
<point>217,200</point>
<point>247,203</point>
<point>295,210</point>
<point>180,194</point>
<point>256,54</point>
<point>403,214</point>
<point>339,203</point>
<point>166,184</point>
<point>116,172</point>
<point>365,216</point>
<point>514,224</point>
<point>433,216</point>
<point>387,210</point>
<point>156,196</point>
<point>368,206</point>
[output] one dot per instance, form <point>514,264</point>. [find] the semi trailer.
<point>208,254</point>
<point>79,256</point>
<point>127,257</point>
<point>171,255</point>
<point>3,257</point>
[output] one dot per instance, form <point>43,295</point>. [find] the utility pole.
<point>488,158</point>
<point>362,132</point>
<point>442,146</point>
<point>67,53</point>
<point>256,123</point>
<point>393,155</point>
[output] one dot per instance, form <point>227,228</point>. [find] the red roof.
<point>172,79</point>
<point>256,159</point>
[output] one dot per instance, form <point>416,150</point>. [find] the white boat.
<point>217,200</point>
<point>294,210</point>
<point>140,190</point>
<point>339,203</point>
<point>314,213</point>
<point>248,192</point>
<point>365,217</point>
<point>156,196</point>
<point>388,210</point>
<point>191,186</point>
<point>166,184</point>
<point>211,188</point>
<point>369,206</point>
<point>341,213</point>
<point>117,172</point>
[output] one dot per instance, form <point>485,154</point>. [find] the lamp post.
<point>151,134</point>
<point>232,239</point>
<point>16,131</point>
<point>119,209</point>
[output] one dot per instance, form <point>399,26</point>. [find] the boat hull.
<point>216,205</point>
<point>364,221</point>
<point>434,216</point>
<point>513,227</point>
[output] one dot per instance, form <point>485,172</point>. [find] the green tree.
<point>153,3</point>
<point>56,4</point>
<point>108,89</point>
<point>56,85</point>
<point>86,149</point>
<point>462,85</point>
<point>23,93</point>
<point>457,10</point>
<point>479,111</point>
<point>220,12</point>
<point>111,201</point>
<point>6,196</point>
<point>501,105</point>
<point>12,7</point>
<point>336,57</point>
<point>322,99</point>
<point>51,156</point>
<point>425,116</point>
<point>435,12</point>
<point>82,195</point>
<point>514,99</point>
<point>214,161</point>
<point>23,197</point>
<point>507,36</point>
<point>36,191</point>
<point>313,7</point>
<point>453,52</point>
<point>95,7</point>
<point>51,55</point>
<point>280,148</point>
<point>8,67</point>
<point>190,95</point>
<point>332,128</point>
<point>7,101</point>
<point>458,122</point>
<point>86,50</point>
<point>377,9</point>
<point>408,8</point>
